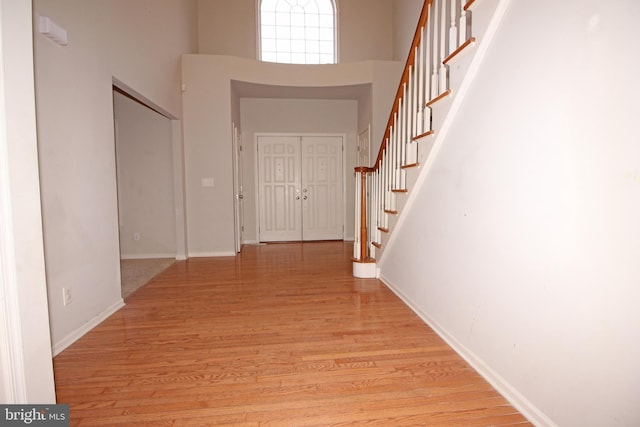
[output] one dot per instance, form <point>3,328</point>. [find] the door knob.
<point>305,198</point>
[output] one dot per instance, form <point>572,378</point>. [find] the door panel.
<point>300,182</point>
<point>322,195</point>
<point>279,185</point>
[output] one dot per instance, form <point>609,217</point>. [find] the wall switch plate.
<point>66,296</point>
<point>208,182</point>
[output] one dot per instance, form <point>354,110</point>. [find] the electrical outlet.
<point>66,296</point>
<point>136,236</point>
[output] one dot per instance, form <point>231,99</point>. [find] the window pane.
<point>284,57</point>
<point>312,46</point>
<point>312,34</point>
<point>268,45</point>
<point>326,59</point>
<point>297,33</point>
<point>298,58</point>
<point>283,6</point>
<point>326,34</point>
<point>325,6</point>
<point>297,46</point>
<point>294,28</point>
<point>268,5</point>
<point>283,33</point>
<point>326,47</point>
<point>326,21</point>
<point>283,45</point>
<point>268,18</point>
<point>297,19</point>
<point>283,19</point>
<point>268,32</point>
<point>312,20</point>
<point>269,56</point>
<point>311,7</point>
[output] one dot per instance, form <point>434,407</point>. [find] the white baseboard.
<point>147,256</point>
<point>521,403</point>
<point>78,333</point>
<point>210,254</point>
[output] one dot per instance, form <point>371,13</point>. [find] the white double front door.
<point>300,188</point>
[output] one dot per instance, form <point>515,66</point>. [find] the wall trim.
<point>81,331</point>
<point>509,392</point>
<point>211,254</point>
<point>148,256</point>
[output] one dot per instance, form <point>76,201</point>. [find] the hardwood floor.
<point>281,335</point>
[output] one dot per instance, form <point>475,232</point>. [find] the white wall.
<point>140,48</point>
<point>365,28</point>
<point>405,21</point>
<point>207,129</point>
<point>296,116</point>
<point>521,244</point>
<point>227,27</point>
<point>144,163</point>
<point>26,371</point>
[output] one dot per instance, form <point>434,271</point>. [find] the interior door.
<point>300,188</point>
<point>237,188</point>
<point>279,188</point>
<point>322,188</point>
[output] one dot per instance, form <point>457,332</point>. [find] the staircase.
<point>448,46</point>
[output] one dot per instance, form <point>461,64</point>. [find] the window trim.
<point>336,31</point>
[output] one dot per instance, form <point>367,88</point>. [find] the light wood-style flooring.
<point>281,335</point>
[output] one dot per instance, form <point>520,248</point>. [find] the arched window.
<point>298,31</point>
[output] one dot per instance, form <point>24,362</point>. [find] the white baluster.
<point>442,73</point>
<point>416,113</point>
<point>463,23</point>
<point>453,30</point>
<point>375,204</point>
<point>434,55</point>
<point>421,82</point>
<point>395,158</point>
<point>402,110</point>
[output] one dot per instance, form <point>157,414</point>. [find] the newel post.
<point>364,244</point>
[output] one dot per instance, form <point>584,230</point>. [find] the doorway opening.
<point>145,186</point>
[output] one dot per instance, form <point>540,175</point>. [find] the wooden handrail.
<point>446,28</point>
<point>404,79</point>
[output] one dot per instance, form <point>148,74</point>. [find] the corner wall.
<point>26,371</point>
<point>138,44</point>
<point>521,244</point>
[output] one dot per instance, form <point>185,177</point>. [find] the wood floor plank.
<point>280,335</point>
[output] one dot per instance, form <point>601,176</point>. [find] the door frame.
<point>238,190</point>
<point>256,185</point>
